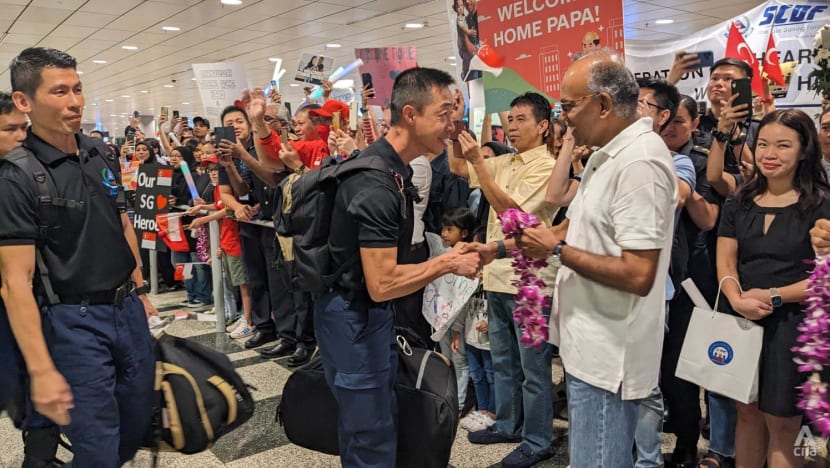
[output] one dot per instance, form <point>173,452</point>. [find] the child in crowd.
<point>230,251</point>
<point>457,226</point>
<point>472,325</point>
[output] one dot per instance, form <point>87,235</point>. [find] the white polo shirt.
<point>626,201</point>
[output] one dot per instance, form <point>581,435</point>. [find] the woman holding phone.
<point>763,252</point>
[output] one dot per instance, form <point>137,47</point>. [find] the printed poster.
<point>220,84</point>
<point>314,69</point>
<point>464,32</point>
<point>385,64</point>
<point>794,27</point>
<point>129,175</point>
<point>445,297</point>
<point>527,45</point>
<point>152,189</point>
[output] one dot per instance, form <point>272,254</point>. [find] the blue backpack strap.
<point>47,202</point>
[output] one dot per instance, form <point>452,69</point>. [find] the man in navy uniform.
<point>87,348</point>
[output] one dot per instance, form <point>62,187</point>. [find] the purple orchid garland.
<point>531,300</point>
<point>203,244</point>
<point>813,349</point>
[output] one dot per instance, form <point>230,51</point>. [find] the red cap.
<point>209,159</point>
<point>330,107</point>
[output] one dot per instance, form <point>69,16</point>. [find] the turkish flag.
<point>736,47</point>
<point>772,67</point>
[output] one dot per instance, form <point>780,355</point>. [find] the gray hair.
<point>615,79</point>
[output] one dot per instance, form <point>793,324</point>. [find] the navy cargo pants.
<point>360,361</point>
<point>106,355</point>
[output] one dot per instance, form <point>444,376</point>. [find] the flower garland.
<point>820,76</point>
<point>530,298</point>
<point>813,349</point>
<point>203,244</point>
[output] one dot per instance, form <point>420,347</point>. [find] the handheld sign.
<point>153,184</point>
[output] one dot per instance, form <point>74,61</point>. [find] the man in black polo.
<point>88,351</point>
<point>373,215</point>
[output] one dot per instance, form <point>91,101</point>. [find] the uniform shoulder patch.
<point>701,149</point>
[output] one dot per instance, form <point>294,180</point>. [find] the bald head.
<point>598,88</point>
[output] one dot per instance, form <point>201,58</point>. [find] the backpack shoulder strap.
<point>47,201</point>
<point>101,159</point>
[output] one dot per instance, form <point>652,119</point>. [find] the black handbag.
<point>427,401</point>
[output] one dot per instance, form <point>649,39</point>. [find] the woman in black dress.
<point>764,243</point>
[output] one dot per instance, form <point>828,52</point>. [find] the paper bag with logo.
<point>721,352</point>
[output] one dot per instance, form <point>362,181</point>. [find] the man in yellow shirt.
<point>522,377</point>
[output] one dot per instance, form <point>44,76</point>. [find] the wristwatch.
<point>556,258</point>
<point>502,251</point>
<point>775,298</point>
<point>721,136</point>
<point>143,289</point>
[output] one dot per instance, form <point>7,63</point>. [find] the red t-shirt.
<point>312,152</point>
<point>229,230</point>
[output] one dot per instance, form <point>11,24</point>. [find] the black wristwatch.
<point>721,136</point>
<point>143,289</point>
<point>502,251</point>
<point>556,258</point>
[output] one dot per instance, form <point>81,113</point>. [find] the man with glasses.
<point>522,375</point>
<point>276,117</point>
<point>610,251</point>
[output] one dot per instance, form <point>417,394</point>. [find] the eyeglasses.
<point>568,106</point>
<point>645,102</point>
<point>269,119</point>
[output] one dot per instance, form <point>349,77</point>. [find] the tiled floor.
<point>261,442</point>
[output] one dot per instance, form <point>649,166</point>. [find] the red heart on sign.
<point>161,202</point>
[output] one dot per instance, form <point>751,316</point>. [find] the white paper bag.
<point>721,353</point>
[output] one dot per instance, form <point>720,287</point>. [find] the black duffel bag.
<point>427,407</point>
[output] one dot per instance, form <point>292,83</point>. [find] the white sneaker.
<point>486,419</point>
<point>243,330</point>
<point>472,422</point>
<point>232,327</point>
<point>210,312</point>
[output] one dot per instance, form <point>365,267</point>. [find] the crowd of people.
<point>635,191</point>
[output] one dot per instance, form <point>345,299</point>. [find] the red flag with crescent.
<point>772,67</point>
<point>736,47</point>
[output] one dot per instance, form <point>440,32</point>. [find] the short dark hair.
<point>461,218</point>
<point>192,143</point>
<point>666,95</point>
<point>538,103</point>
<point>26,68</point>
<point>230,110</point>
<point>414,87</point>
<point>98,132</point>
<point>497,148</point>
<point>6,103</point>
<point>729,61</point>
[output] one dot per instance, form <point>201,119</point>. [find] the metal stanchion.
<point>154,272</point>
<point>218,286</point>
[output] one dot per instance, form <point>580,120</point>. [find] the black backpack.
<point>200,396</point>
<point>427,398</point>
<point>304,209</point>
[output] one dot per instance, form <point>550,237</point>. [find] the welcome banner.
<point>794,26</point>
<point>527,45</point>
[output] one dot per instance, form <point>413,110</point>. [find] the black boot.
<point>40,447</point>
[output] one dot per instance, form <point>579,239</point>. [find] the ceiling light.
<point>107,100</point>
<point>333,46</point>
<point>185,103</point>
<point>125,96</point>
<point>274,59</point>
<point>664,21</point>
<point>168,86</point>
<point>79,72</point>
<point>231,2</point>
<point>144,91</point>
<point>293,85</point>
<point>451,57</point>
<point>193,79</point>
<point>113,115</point>
<point>413,25</point>
<point>171,28</point>
<point>99,62</point>
<point>129,47</point>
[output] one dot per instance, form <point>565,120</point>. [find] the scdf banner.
<point>794,26</point>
